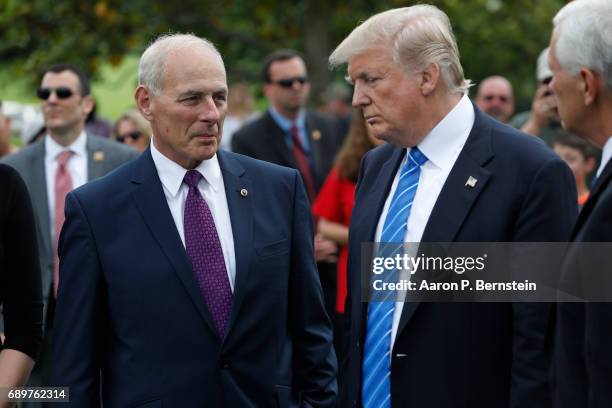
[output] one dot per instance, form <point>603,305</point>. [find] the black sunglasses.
<point>288,82</point>
<point>61,92</point>
<point>135,135</point>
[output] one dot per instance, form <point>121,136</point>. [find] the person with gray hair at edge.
<point>188,275</point>
<point>580,59</point>
<point>448,173</point>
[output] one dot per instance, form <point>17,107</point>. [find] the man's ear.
<point>430,78</point>
<point>88,104</point>
<point>142,96</point>
<point>266,89</point>
<point>591,82</point>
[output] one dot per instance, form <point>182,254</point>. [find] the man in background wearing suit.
<point>188,276</point>
<point>580,59</point>
<point>291,135</point>
<point>448,173</point>
<point>66,158</point>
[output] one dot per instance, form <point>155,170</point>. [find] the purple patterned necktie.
<point>204,252</point>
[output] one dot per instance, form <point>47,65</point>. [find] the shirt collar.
<point>449,135</point>
<point>606,155</point>
<point>172,174</point>
<point>285,123</point>
<point>78,147</point>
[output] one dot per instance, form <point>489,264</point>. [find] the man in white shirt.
<point>188,276</point>
<point>448,173</point>
<point>580,59</point>
<point>71,156</point>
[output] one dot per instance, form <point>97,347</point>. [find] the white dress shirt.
<point>212,189</point>
<point>606,155</point>
<point>77,167</point>
<point>441,147</point>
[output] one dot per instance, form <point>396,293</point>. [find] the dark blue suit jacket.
<point>132,325</point>
<point>584,330</point>
<point>466,355</point>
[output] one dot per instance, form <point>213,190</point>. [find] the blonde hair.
<point>419,35</point>
<point>137,119</point>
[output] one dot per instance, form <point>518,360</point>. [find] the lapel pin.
<point>244,192</point>
<point>98,155</point>
<point>316,135</point>
<point>471,182</point>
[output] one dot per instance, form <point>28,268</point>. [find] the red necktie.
<point>303,163</point>
<point>63,185</point>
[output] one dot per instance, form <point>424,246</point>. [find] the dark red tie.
<point>303,163</point>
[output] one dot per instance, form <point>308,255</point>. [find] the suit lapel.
<point>458,195</point>
<point>276,143</point>
<point>317,153</point>
<point>151,202</point>
<point>238,191</point>
<point>365,224</point>
<point>96,159</point>
<point>599,187</point>
<point>40,200</point>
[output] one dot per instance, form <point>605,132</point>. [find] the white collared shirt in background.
<point>211,187</point>
<point>77,167</point>
<point>441,147</point>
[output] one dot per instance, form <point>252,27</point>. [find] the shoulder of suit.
<point>263,168</point>
<point>24,155</point>
<point>97,142</point>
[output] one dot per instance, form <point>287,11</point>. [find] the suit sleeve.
<point>315,364</point>
<point>79,326</point>
<point>548,214</point>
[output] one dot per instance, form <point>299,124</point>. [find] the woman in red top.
<point>335,201</point>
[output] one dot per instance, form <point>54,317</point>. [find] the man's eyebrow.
<point>189,93</point>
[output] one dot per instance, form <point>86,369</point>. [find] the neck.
<point>289,114</point>
<point>439,107</point>
<point>65,137</point>
<point>582,188</point>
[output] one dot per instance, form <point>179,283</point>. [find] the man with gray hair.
<point>188,277</point>
<point>581,62</point>
<point>495,98</point>
<point>448,173</point>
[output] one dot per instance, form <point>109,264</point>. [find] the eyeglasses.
<point>61,92</point>
<point>288,82</point>
<point>135,135</point>
<point>502,98</point>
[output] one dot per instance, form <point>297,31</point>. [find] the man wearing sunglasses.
<point>66,158</point>
<point>291,135</point>
<point>495,98</point>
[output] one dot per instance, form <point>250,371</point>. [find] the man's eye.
<point>221,97</point>
<point>371,80</point>
<point>192,98</point>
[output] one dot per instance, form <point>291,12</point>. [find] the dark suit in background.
<point>263,139</point>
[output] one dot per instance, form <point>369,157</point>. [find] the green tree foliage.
<point>495,36</point>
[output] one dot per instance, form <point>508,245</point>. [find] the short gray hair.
<point>420,35</point>
<point>152,61</point>
<point>584,30</point>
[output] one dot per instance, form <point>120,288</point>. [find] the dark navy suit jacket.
<point>465,355</point>
<point>133,327</point>
<point>584,330</point>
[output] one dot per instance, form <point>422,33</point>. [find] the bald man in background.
<point>495,98</point>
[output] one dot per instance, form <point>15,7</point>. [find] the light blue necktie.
<point>376,386</point>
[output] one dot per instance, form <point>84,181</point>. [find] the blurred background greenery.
<point>105,37</point>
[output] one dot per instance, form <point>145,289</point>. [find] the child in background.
<point>581,158</point>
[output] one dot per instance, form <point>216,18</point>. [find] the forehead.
<point>287,68</point>
<point>64,78</point>
<point>193,70</point>
<point>372,60</point>
<point>495,86</point>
